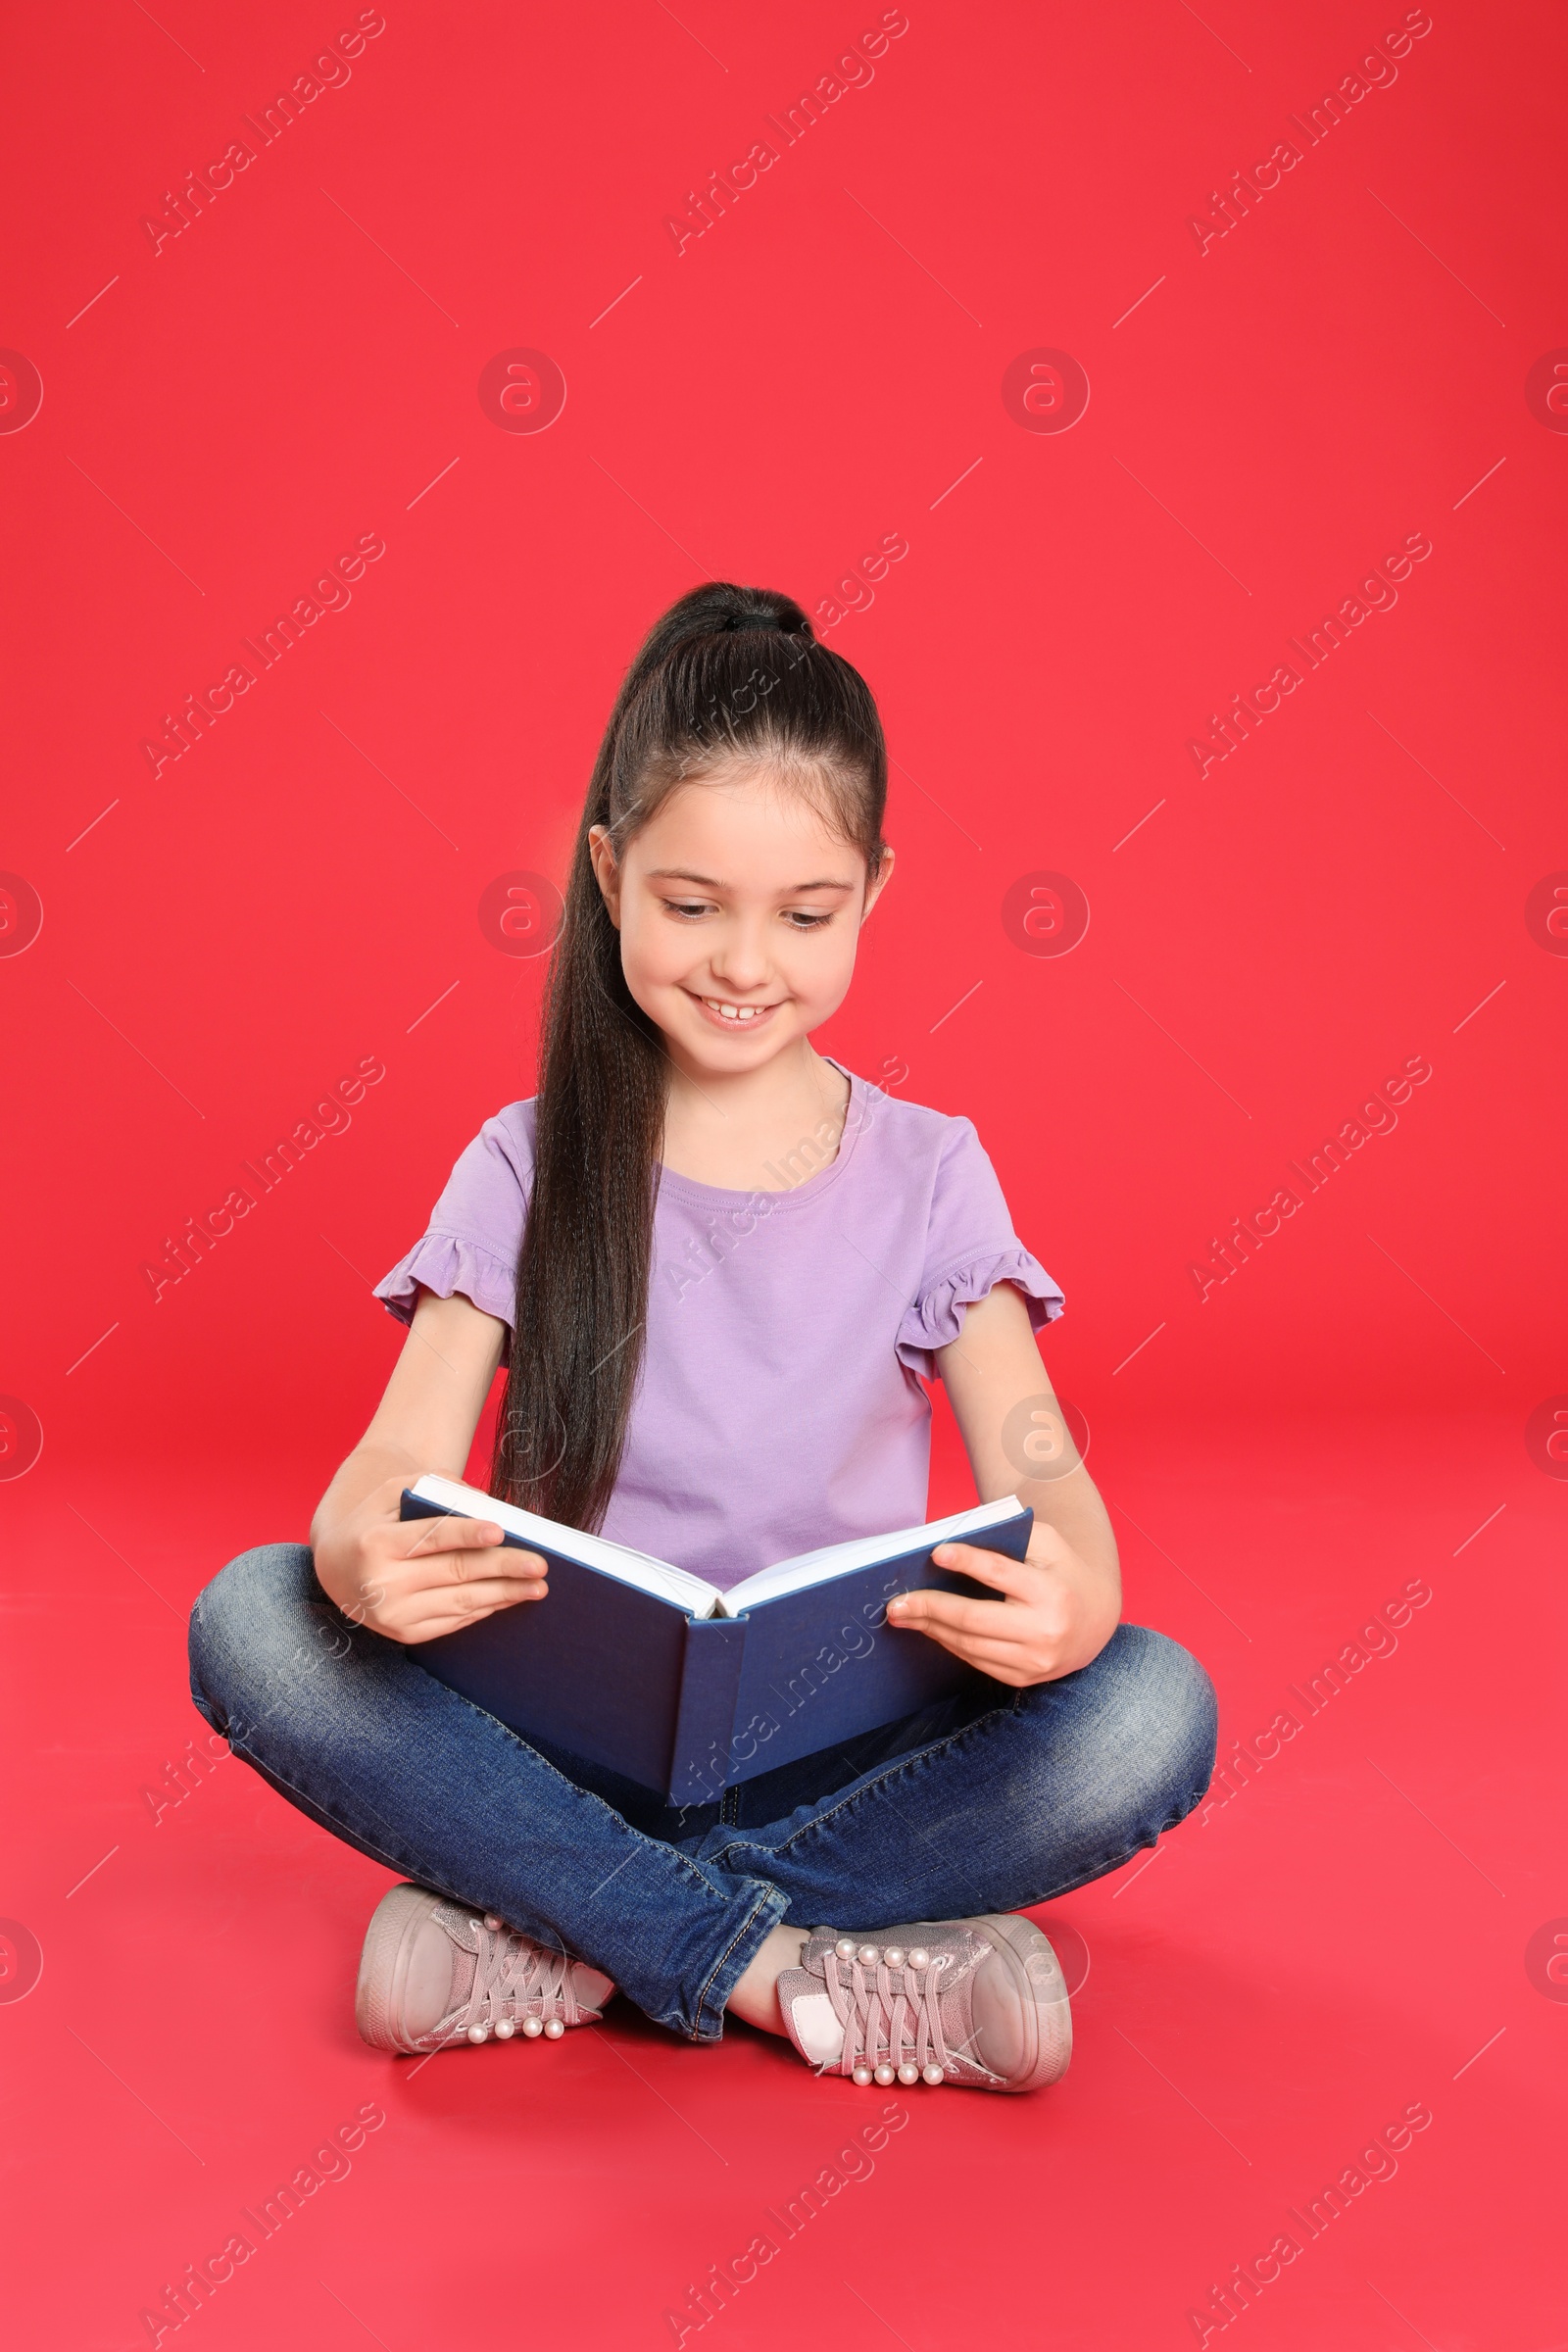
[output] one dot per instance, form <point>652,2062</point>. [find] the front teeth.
<point>734,1012</point>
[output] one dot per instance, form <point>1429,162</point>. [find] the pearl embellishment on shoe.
<point>491,1922</point>
<point>554,2029</point>
<point>504,2030</point>
<point>478,2032</point>
<point>870,1956</point>
<point>532,2027</point>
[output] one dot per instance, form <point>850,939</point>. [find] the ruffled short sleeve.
<point>474,1237</point>
<point>970,1247</point>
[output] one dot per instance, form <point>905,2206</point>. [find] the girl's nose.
<point>740,959</point>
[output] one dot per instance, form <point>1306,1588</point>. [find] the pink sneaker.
<point>979,2002</point>
<point>433,1974</point>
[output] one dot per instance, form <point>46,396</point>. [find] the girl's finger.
<point>512,1567</point>
<point>437,1571</point>
<point>950,1610</point>
<point>1004,1661</point>
<point>986,1567</point>
<point>475,1598</point>
<point>427,1629</point>
<point>977,1649</point>
<point>450,1533</point>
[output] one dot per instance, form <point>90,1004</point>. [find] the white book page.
<point>862,1551</point>
<point>693,1594</point>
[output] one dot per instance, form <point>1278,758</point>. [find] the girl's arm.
<point>414,1578</point>
<point>1057,1608</point>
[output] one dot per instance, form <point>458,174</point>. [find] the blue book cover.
<point>636,1665</point>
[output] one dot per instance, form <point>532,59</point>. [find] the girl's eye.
<point>799,918</point>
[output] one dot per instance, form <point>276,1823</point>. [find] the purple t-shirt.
<point>780,1404</point>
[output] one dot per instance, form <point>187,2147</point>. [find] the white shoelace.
<point>886,2000</point>
<point>518,1985</point>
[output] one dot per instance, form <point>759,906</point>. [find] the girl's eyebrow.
<point>681,873</point>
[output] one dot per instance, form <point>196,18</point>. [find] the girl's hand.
<point>412,1579</point>
<point>1056,1612</point>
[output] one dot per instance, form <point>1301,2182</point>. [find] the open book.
<point>639,1666</point>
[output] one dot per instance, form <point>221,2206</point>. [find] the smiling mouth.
<point>731,1016</point>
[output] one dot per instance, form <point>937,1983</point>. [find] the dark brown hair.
<point>727,675</point>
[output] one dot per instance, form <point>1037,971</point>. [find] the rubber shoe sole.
<point>389,1943</point>
<point>1041,1992</point>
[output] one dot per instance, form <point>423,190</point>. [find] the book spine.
<point>705,1719</point>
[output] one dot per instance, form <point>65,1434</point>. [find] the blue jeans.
<point>985,1803</point>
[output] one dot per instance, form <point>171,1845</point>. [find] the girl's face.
<point>738,911</point>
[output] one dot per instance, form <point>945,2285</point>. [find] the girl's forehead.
<point>758,805</point>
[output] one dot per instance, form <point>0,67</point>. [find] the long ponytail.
<point>725,672</point>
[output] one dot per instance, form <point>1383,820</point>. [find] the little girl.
<point>717,1266</point>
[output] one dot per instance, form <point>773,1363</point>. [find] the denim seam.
<point>768,1896</point>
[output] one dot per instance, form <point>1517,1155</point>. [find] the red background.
<point>822,368</point>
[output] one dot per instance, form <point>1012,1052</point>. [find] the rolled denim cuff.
<point>736,1958</point>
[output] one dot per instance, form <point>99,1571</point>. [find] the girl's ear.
<point>607,872</point>
<point>874,889</point>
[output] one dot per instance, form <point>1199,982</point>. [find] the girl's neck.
<point>738,1132</point>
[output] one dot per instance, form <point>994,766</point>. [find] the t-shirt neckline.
<point>810,1187</point>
